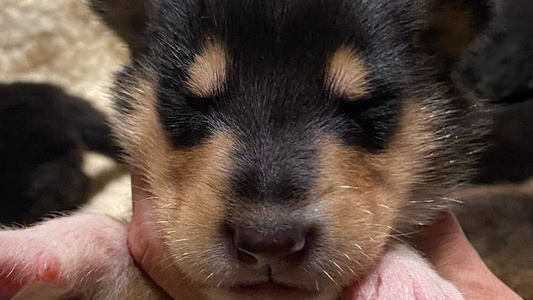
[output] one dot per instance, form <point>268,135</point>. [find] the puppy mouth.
<point>273,288</point>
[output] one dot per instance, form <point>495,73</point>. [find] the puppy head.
<point>286,142</point>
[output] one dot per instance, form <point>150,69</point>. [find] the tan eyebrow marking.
<point>207,73</point>
<point>346,74</point>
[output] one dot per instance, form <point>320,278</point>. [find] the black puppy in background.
<point>499,68</point>
<point>498,216</point>
<point>43,133</point>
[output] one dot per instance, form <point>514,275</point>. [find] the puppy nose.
<point>268,244</point>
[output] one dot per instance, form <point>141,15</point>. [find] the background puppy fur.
<point>43,133</point>
<point>499,67</point>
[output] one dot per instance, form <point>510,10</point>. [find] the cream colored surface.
<point>62,42</point>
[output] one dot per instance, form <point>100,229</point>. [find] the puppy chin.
<point>229,294</point>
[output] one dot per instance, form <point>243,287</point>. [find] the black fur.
<point>43,132</point>
<point>275,96</point>
<point>500,69</point>
<point>275,99</point>
<point>510,155</point>
<point>126,17</point>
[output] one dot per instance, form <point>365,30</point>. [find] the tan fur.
<point>188,184</point>
<point>208,71</point>
<point>346,74</point>
<point>361,196</point>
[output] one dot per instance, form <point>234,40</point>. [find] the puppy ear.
<point>452,26</point>
<point>498,67</point>
<point>127,18</point>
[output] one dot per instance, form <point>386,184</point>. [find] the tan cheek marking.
<point>139,131</point>
<point>191,204</point>
<point>346,75</point>
<point>207,73</point>
<point>168,170</point>
<point>362,196</point>
<point>357,206</point>
<point>407,151</point>
<point>195,194</point>
<point>188,185</point>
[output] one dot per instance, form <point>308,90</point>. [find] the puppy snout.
<point>260,246</point>
<point>275,243</point>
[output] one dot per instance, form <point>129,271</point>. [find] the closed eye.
<point>371,120</point>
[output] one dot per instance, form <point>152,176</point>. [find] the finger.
<point>448,249</point>
<point>148,248</point>
<point>446,246</point>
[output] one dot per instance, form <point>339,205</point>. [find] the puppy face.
<point>286,142</point>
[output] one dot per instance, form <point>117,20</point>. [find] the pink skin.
<point>403,274</point>
<point>82,255</point>
<point>45,270</point>
<point>86,253</point>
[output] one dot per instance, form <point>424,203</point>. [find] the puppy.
<point>43,133</point>
<point>287,141</point>
<point>500,68</point>
<point>287,144</point>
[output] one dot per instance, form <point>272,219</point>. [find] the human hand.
<point>449,251</point>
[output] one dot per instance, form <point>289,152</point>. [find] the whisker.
<point>421,201</point>
<point>349,187</point>
<point>142,188</point>
<point>452,200</point>
<point>347,256</point>
<point>384,206</point>
<point>207,278</point>
<point>331,278</point>
<point>12,270</point>
<point>349,268</point>
<point>340,270</point>
<point>367,211</point>
<point>363,252</point>
<point>223,278</point>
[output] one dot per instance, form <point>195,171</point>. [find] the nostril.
<point>268,242</point>
<point>246,258</point>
